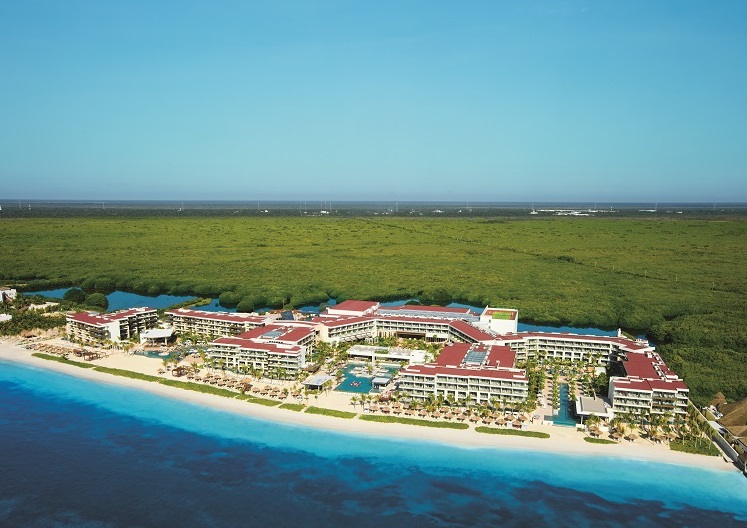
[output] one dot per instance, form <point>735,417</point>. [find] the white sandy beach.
<point>562,440</point>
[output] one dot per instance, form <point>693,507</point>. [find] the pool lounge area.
<point>359,380</point>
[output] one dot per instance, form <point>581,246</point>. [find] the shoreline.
<point>563,440</point>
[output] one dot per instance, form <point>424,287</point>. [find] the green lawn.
<point>412,421</point>
<point>330,412</point>
<point>598,440</point>
<point>680,281</point>
<point>511,432</point>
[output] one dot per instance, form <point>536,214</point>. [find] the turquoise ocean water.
<point>76,452</point>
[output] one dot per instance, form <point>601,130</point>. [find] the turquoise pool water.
<point>564,415</point>
<point>359,384</point>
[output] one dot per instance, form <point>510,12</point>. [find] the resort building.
<point>588,349</point>
<point>279,350</point>
<point>648,387</point>
<point>499,320</point>
<point>345,329</point>
<point>115,326</point>
<point>210,324</point>
<point>479,373</point>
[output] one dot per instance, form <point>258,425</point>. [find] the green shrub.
<point>97,300</point>
<point>75,295</point>
<point>700,447</point>
<point>246,305</point>
<point>229,299</point>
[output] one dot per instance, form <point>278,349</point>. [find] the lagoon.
<point>121,300</point>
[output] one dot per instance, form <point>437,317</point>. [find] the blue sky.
<point>406,100</point>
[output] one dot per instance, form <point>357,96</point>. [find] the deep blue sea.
<point>80,453</point>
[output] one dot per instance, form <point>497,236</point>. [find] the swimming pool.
<point>564,416</point>
<point>360,383</point>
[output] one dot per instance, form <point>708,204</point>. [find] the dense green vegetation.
<point>695,447</point>
<point>511,432</point>
<point>598,440</point>
<point>680,281</point>
<point>412,421</point>
<point>330,412</point>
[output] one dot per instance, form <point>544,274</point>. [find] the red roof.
<point>501,356</point>
<point>649,385</point>
<point>107,318</point>
<point>355,306</point>
<point>496,356</point>
<point>471,331</point>
<point>453,355</point>
<point>288,334</point>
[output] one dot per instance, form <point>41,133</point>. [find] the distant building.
<point>115,326</point>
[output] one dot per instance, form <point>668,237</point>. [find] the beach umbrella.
<point>460,417</point>
<point>409,412</point>
<point>449,416</point>
<point>423,413</point>
<point>632,437</point>
<point>473,418</point>
<point>436,414</point>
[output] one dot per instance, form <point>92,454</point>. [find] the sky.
<point>362,100</point>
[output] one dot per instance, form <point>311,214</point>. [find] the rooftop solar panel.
<point>475,357</point>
